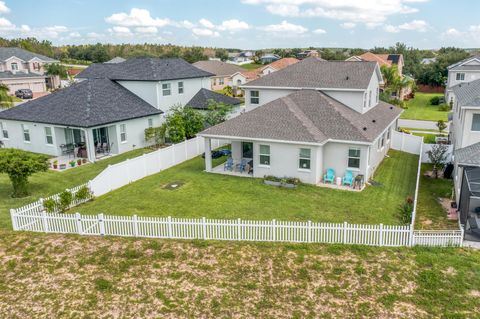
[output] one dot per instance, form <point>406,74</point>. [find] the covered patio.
<point>470,203</point>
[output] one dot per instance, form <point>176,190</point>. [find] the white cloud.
<point>136,18</point>
<point>150,30</point>
<point>415,25</point>
<point>391,28</point>
<point>364,11</point>
<point>187,24</point>
<point>348,25</point>
<point>233,25</point>
<point>25,28</point>
<point>206,23</point>
<point>319,31</point>
<point>5,24</point>
<point>453,32</point>
<point>3,7</point>
<point>285,28</point>
<point>120,31</point>
<point>74,35</point>
<point>469,37</point>
<point>203,32</point>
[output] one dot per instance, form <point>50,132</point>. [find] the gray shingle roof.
<point>316,73</point>
<point>218,67</point>
<point>469,156</point>
<point>308,116</point>
<point>8,52</point>
<point>458,66</point>
<point>116,59</point>
<point>10,75</point>
<point>144,69</point>
<point>88,103</point>
<point>468,93</point>
<point>200,100</point>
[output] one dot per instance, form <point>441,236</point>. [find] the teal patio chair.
<point>329,177</point>
<point>228,166</point>
<point>348,178</point>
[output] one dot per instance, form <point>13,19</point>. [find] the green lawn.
<point>51,182</point>
<point>221,196</point>
<point>419,108</point>
<point>251,66</point>
<point>69,276</point>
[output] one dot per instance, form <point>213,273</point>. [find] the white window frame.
<point>3,128</point>
<point>25,132</point>
<point>389,135</point>
<point>365,99</point>
<point>166,88</point>
<point>305,158</point>
<point>221,81</point>
<point>180,87</point>
<point>150,123</point>
<point>477,115</point>
<point>354,157</point>
<point>257,97</point>
<point>47,136</point>
<point>378,95</point>
<point>460,76</point>
<point>123,133</point>
<point>16,66</point>
<point>260,154</point>
<point>369,98</point>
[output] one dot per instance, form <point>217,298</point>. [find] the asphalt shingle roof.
<point>458,66</point>
<point>316,73</point>
<point>469,155</point>
<point>200,100</point>
<point>144,69</point>
<point>86,104</point>
<point>308,116</point>
<point>8,52</point>
<point>468,93</point>
<point>218,67</point>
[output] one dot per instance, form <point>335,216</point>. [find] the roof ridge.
<point>306,122</point>
<point>89,97</point>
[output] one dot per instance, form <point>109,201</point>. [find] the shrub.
<point>444,107</point>
<point>405,211</point>
<point>83,193</point>
<point>49,205</point>
<point>292,180</point>
<point>272,178</point>
<point>65,199</point>
<point>435,100</point>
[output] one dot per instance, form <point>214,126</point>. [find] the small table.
<point>358,182</point>
<point>339,181</point>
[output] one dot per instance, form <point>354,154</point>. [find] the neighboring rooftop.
<point>381,59</point>
<point>468,156</point>
<point>144,69</point>
<point>201,99</point>
<point>218,67</point>
<point>88,103</point>
<point>470,63</point>
<point>282,63</point>
<point>317,73</point>
<point>308,116</point>
<point>468,93</point>
<point>8,52</point>
<point>116,59</point>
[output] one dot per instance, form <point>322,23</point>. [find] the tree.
<point>216,112</point>
<point>221,54</point>
<point>227,90</point>
<point>438,157</point>
<point>5,99</point>
<point>193,121</point>
<point>56,69</point>
<point>441,126</point>
<point>19,165</point>
<point>182,123</point>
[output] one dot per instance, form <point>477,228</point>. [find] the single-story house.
<point>222,72</point>
<point>277,65</point>
<point>269,58</point>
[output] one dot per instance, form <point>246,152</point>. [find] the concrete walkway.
<point>471,244</point>
<point>425,125</point>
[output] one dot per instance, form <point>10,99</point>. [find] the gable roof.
<point>144,69</point>
<point>8,52</point>
<point>468,93</point>
<point>281,64</point>
<point>469,155</point>
<point>316,73</point>
<point>88,103</point>
<point>200,100</point>
<point>460,65</point>
<point>308,116</point>
<point>218,67</point>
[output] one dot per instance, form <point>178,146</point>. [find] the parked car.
<point>24,94</point>
<point>219,153</point>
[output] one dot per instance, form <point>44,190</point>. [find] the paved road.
<point>425,125</point>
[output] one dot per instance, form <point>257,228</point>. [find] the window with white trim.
<point>221,81</point>
<point>381,142</point>
<point>180,87</point>
<point>389,133</point>
<point>378,95</point>
<point>265,155</point>
<point>365,100</point>
<point>3,126</point>
<point>304,158</point>
<point>354,158</point>
<point>150,123</point>
<point>123,133</point>
<point>26,133</point>
<point>369,98</point>
<point>460,76</point>
<point>166,89</point>
<point>48,135</point>
<point>476,122</point>
<point>254,97</point>
<point>14,66</point>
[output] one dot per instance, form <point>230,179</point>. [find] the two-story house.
<point>21,69</point>
<point>309,118</point>
<point>466,70</point>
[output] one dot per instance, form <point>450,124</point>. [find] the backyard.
<point>419,108</point>
<point>251,66</point>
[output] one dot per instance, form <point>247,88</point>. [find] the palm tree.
<point>5,99</point>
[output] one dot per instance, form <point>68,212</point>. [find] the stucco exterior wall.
<point>469,76</point>
<point>266,95</point>
<point>34,84</point>
<point>335,156</point>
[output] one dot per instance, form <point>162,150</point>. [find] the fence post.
<point>309,231</point>
<point>45,222</point>
<point>78,218</point>
<point>169,225</point>
<point>411,237</point>
<point>204,228</point>
<point>274,230</point>
<point>101,224</point>
<point>135,225</point>
<point>345,232</point>
<point>13,215</point>
<point>381,235</point>
<point>89,186</point>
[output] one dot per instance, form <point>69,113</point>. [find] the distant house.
<point>202,99</point>
<point>308,53</point>
<point>22,69</point>
<point>244,57</point>
<point>269,58</point>
<point>277,65</point>
<point>222,72</point>
<point>464,71</point>
<point>427,61</point>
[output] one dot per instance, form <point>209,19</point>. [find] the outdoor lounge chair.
<point>228,166</point>
<point>242,165</point>
<point>330,176</point>
<point>348,178</point>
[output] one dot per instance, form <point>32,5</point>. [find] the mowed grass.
<point>219,196</point>
<point>69,276</point>
<point>251,66</point>
<point>419,108</point>
<point>52,182</point>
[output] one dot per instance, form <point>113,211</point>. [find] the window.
<point>354,158</point>
<point>221,81</point>
<point>14,66</point>
<point>48,135</point>
<point>378,95</point>
<point>265,155</point>
<point>239,82</point>
<point>36,66</point>
<point>365,100</point>
<point>254,97</point>
<point>214,81</point>
<point>304,158</point>
<point>123,133</point>
<point>180,87</point>
<point>3,127</point>
<point>388,134</point>
<point>476,122</point>
<point>150,123</point>
<point>369,98</point>
<point>460,76</point>
<point>26,133</point>
<point>166,89</point>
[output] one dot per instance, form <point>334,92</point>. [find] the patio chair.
<point>242,165</point>
<point>329,177</point>
<point>348,178</point>
<point>228,166</point>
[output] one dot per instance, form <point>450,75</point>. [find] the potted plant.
<point>79,162</point>
<point>290,182</point>
<point>55,164</point>
<point>63,166</point>
<point>272,180</point>
<point>72,163</point>
<point>84,160</point>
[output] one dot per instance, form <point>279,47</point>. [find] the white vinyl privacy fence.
<point>33,217</point>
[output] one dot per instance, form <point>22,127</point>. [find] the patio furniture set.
<point>347,180</point>
<point>244,166</point>
<point>74,150</point>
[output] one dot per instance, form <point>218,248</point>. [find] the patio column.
<point>208,154</point>
<point>90,145</point>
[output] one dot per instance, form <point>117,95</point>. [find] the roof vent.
<point>374,121</point>
<point>364,128</point>
<point>391,107</point>
<point>347,77</point>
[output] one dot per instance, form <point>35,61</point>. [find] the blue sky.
<point>253,24</point>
